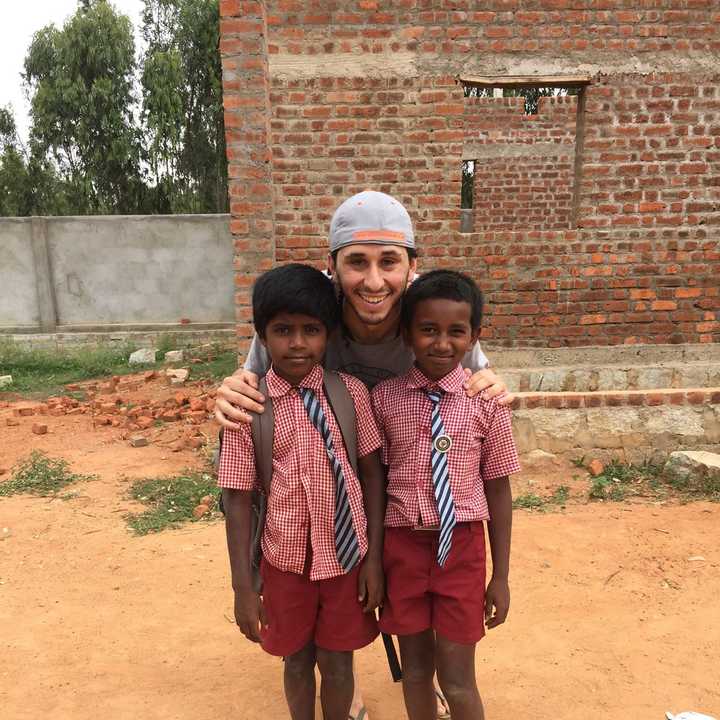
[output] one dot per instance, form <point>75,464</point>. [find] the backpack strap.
<point>262,430</point>
<point>343,408</point>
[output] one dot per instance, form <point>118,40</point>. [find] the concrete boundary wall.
<point>105,272</point>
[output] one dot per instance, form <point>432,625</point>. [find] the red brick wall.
<point>524,169</point>
<point>331,138</point>
<point>324,99</point>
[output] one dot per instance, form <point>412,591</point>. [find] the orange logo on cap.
<point>379,235</point>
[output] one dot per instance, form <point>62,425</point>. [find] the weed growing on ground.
<point>45,370</point>
<point>619,481</point>
<point>165,343</point>
<point>39,474</point>
<point>171,500</point>
<point>221,365</point>
<point>531,501</point>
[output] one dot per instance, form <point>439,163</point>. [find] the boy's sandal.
<point>362,713</point>
<point>443,714</point>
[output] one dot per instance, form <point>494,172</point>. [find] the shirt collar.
<point>451,383</point>
<point>278,386</point>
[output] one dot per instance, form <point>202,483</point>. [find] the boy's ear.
<point>475,336</point>
<point>330,265</point>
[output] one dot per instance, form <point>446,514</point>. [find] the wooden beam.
<point>503,81</point>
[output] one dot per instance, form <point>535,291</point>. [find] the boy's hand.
<point>488,381</point>
<point>497,596</point>
<point>371,585</point>
<point>236,397</point>
<point>249,614</point>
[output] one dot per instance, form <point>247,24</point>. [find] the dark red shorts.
<point>299,610</point>
<point>421,595</point>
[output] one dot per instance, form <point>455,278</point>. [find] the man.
<point>372,260</point>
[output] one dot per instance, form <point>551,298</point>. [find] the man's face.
<point>373,279</point>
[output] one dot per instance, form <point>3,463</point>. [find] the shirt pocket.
<point>403,438</point>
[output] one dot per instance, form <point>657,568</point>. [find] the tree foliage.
<point>112,133</point>
<point>80,79</point>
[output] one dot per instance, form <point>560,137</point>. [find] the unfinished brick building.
<point>596,220</point>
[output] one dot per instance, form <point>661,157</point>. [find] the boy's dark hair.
<point>296,289</point>
<point>446,285</point>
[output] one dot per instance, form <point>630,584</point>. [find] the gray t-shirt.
<point>368,363</point>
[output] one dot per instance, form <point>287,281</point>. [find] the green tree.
<point>182,105</point>
<point>80,80</point>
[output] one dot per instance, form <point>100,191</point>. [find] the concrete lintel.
<point>478,151</point>
<point>43,275</point>
<point>306,67</point>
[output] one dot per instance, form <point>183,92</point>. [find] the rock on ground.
<point>143,356</point>
<point>5,380</point>
<point>172,356</point>
<point>696,468</point>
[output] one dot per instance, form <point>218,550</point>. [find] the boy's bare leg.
<point>456,674</point>
<point>299,679</point>
<point>417,655</point>
<point>357,700</point>
<point>358,704</point>
<point>336,683</point>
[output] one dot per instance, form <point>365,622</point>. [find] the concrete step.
<point>575,378</point>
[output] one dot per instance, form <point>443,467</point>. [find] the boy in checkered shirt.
<point>322,543</point>
<point>448,458</point>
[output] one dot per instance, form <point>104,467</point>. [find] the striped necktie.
<point>346,542</point>
<point>441,479</point>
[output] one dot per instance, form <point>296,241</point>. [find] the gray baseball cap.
<point>371,217</point>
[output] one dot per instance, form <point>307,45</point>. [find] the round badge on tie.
<point>443,443</point>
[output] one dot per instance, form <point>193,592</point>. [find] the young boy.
<point>448,458</point>
<point>322,544</point>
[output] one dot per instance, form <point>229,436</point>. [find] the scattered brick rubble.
<point>138,404</point>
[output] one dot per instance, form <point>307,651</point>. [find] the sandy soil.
<point>615,606</point>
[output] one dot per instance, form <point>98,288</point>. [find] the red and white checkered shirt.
<point>302,493</point>
<point>482,448</point>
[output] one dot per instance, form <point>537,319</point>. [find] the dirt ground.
<point>615,606</point>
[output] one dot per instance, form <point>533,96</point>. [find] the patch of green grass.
<point>578,461</point>
<point>165,343</point>
<point>619,480</point>
<point>171,500</point>
<point>691,486</point>
<point>528,501</point>
<point>46,371</point>
<point>531,501</point>
<point>224,363</point>
<point>41,475</point>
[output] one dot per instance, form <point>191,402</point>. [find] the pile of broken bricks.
<point>141,419</point>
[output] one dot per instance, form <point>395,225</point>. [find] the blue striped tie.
<point>441,481</point>
<point>346,542</point>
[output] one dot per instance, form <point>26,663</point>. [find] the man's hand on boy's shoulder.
<point>237,397</point>
<point>497,602</point>
<point>371,584</point>
<point>489,383</point>
<point>249,614</point>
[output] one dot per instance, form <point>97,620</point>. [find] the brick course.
<point>325,99</point>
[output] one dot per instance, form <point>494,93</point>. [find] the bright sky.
<point>20,21</point>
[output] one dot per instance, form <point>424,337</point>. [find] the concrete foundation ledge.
<point>635,425</point>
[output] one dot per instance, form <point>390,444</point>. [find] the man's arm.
<point>238,395</point>
<point>497,595</point>
<point>249,613</point>
<point>371,581</point>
